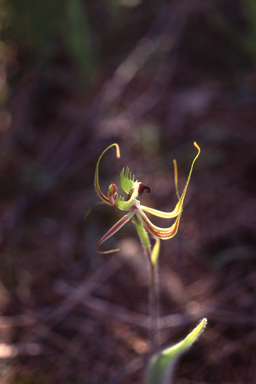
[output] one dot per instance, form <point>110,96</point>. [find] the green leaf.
<point>161,365</point>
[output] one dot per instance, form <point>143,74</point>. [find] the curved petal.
<point>155,251</point>
<point>178,209</point>
<point>96,179</point>
<point>116,228</point>
<point>162,233</point>
<point>163,215</point>
<point>176,177</point>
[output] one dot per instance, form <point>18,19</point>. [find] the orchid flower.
<point>133,188</point>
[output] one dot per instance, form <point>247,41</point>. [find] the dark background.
<point>153,76</point>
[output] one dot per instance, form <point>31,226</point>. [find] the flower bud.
<point>112,191</point>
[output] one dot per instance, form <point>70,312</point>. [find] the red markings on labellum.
<point>141,189</point>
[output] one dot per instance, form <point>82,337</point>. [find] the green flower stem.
<point>134,189</point>
<point>153,303</point>
<point>153,285</point>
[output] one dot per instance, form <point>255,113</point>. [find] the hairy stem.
<point>153,304</point>
<point>152,256</point>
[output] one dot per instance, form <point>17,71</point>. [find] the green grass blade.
<point>77,37</point>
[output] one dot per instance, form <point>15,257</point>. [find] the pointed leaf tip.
<point>161,365</point>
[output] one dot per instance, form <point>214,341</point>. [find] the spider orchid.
<point>133,188</point>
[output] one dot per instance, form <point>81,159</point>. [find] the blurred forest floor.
<point>76,76</point>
